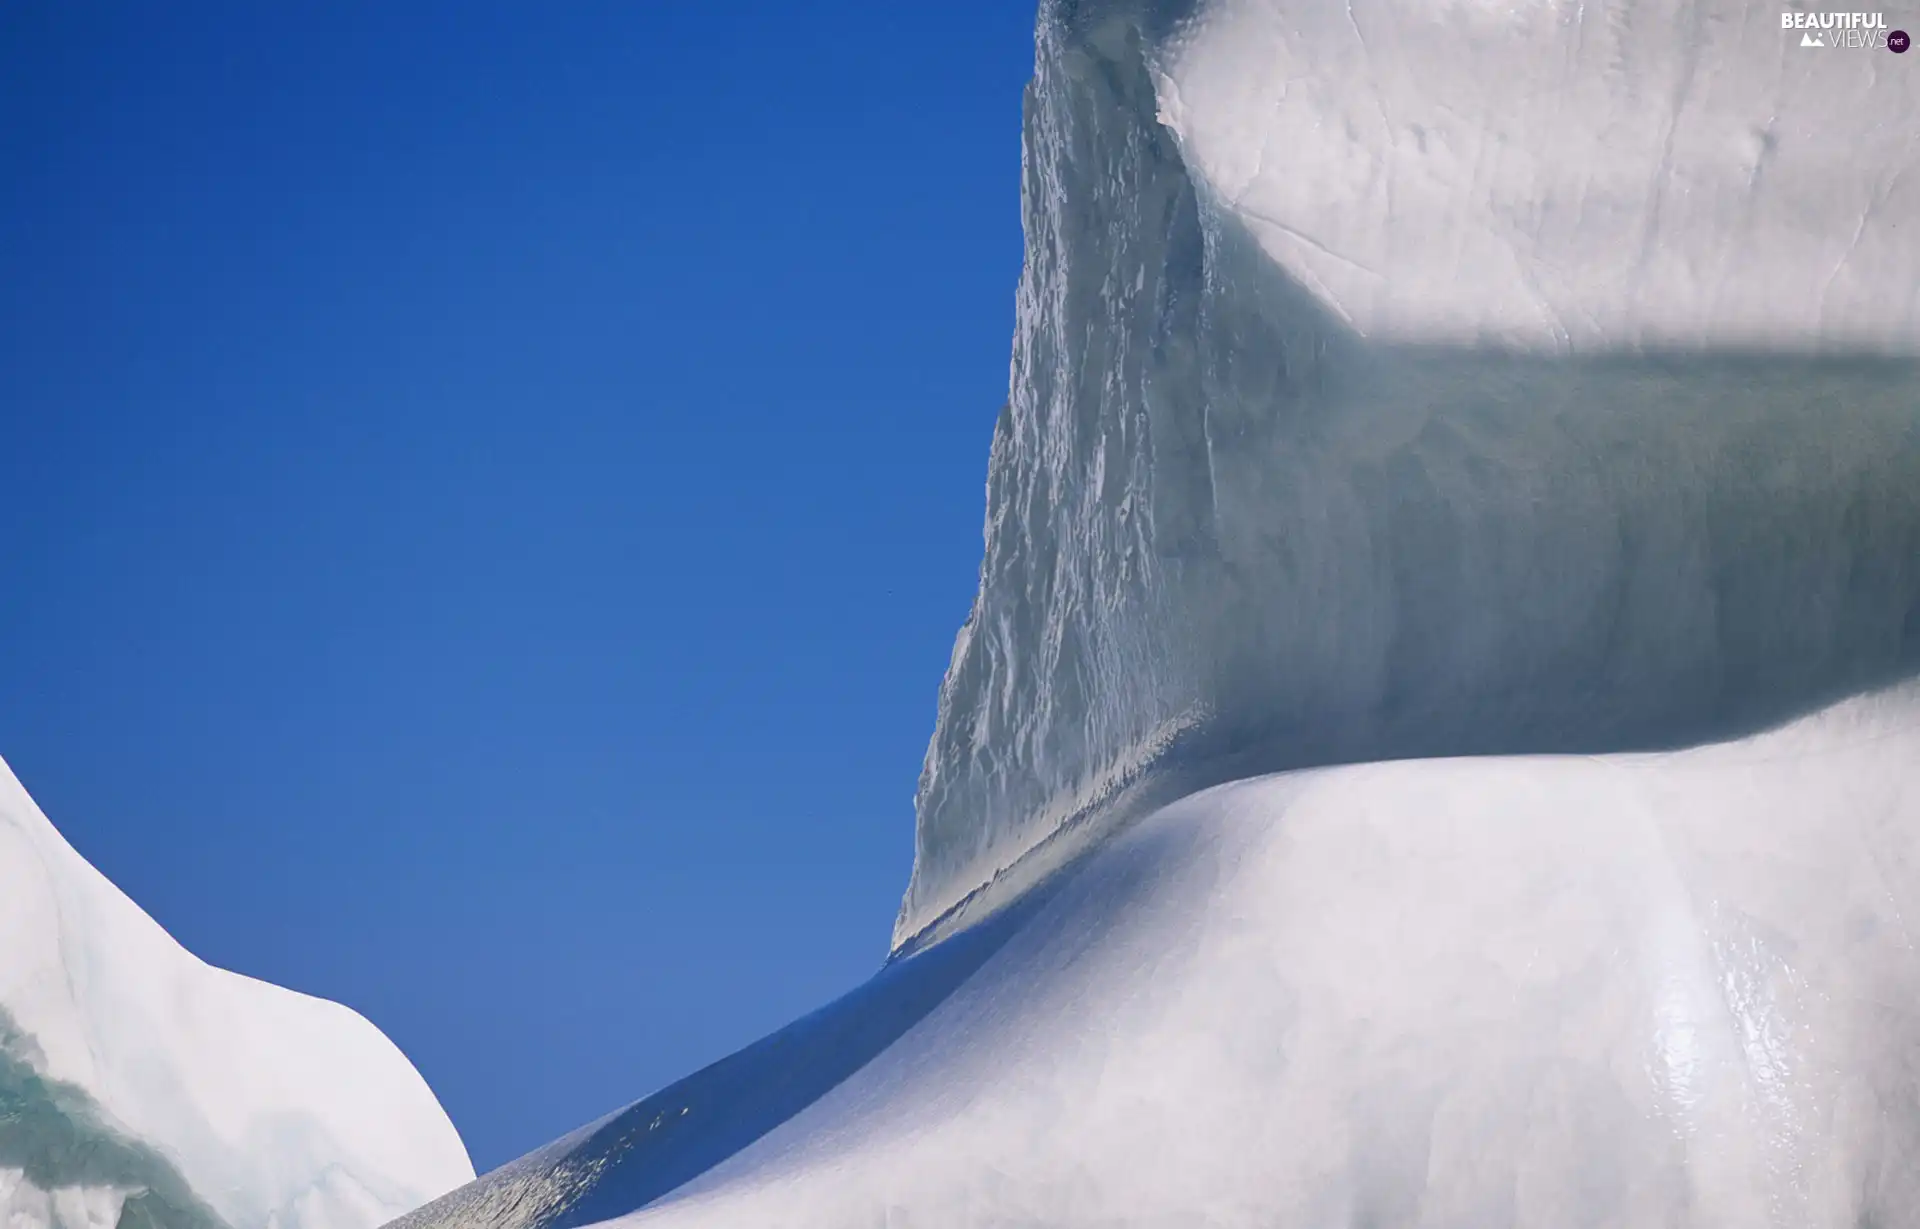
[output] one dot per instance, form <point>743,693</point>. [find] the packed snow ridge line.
<point>1415,379</point>
<point>143,1089</point>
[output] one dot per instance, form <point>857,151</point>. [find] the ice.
<point>1561,175</point>
<point>74,1207</point>
<point>636,1155</point>
<point>145,1089</point>
<point>1424,379</point>
<point>1675,989</point>
<point>1671,988</point>
<point>1436,741</point>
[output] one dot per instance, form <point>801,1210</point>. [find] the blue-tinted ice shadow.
<point>631,1158</point>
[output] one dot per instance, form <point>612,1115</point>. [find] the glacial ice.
<point>1435,743</point>
<point>1560,176</point>
<point>1669,988</point>
<point>143,1089</point>
<point>1423,379</point>
<point>1659,989</point>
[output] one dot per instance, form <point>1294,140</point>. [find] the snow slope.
<point>1489,436</point>
<point>145,1087</point>
<point>1429,377</point>
<point>1670,988</point>
<point>1676,989</point>
<point>637,1154</point>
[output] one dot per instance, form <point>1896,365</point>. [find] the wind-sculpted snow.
<point>638,1154</point>
<point>1489,436</point>
<point>142,1089</point>
<point>1671,989</point>
<point>1409,380</point>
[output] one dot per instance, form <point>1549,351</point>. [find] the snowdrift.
<point>1669,989</point>
<point>142,1088</point>
<point>1675,988</point>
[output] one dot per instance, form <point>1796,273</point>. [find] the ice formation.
<point>1674,989</point>
<point>1425,379</point>
<point>1668,988</point>
<point>143,1089</point>
<point>634,1156</point>
<point>1435,743</point>
<point>1560,176</point>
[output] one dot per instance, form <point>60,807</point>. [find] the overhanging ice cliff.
<point>1429,379</point>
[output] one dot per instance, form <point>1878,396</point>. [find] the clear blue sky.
<point>487,494</point>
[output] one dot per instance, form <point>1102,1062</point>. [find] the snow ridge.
<point>146,1088</point>
<point>1672,988</point>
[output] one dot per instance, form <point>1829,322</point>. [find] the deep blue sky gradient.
<point>487,493</point>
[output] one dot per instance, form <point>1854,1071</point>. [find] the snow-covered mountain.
<point>1435,743</point>
<point>144,1089</point>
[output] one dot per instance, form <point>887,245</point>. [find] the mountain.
<point>143,1089</point>
<point>1435,741</point>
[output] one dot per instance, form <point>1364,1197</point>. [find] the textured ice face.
<point>1557,173</point>
<point>1429,379</point>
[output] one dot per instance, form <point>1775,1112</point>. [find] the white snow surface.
<point>281,1111</point>
<point>1563,174</point>
<point>1676,989</point>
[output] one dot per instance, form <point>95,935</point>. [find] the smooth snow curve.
<point>1395,384</point>
<point>1676,989</point>
<point>146,1089</point>
<point>1562,175</point>
<point>1415,379</point>
<point>634,1156</point>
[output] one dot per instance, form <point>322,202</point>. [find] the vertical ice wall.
<point>1060,686</point>
<point>1422,379</point>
